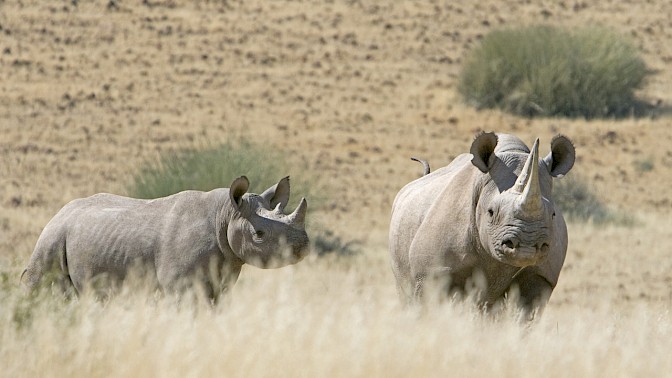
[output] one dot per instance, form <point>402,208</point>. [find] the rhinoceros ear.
<point>278,194</point>
<point>561,158</point>
<point>483,150</point>
<point>239,187</point>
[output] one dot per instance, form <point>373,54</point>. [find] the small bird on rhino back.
<point>186,238</point>
<point>488,216</point>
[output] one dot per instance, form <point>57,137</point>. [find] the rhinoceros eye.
<point>258,235</point>
<point>491,212</point>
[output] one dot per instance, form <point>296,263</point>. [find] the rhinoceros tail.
<point>425,165</point>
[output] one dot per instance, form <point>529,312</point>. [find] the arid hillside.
<point>348,90</point>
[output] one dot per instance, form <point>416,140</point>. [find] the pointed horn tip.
<point>531,191</point>
<point>529,168</point>
<point>535,155</point>
<point>301,207</point>
<point>299,214</point>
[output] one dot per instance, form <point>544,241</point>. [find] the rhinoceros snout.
<point>523,255</point>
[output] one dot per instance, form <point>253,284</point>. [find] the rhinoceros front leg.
<point>430,277</point>
<point>534,291</point>
<point>437,282</point>
<point>418,288</point>
<point>222,278</point>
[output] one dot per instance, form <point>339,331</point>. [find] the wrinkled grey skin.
<point>489,215</point>
<point>191,236</point>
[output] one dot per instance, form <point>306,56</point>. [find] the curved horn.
<point>528,183</point>
<point>299,214</point>
<point>519,186</point>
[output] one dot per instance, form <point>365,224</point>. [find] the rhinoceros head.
<point>259,232</point>
<point>515,214</point>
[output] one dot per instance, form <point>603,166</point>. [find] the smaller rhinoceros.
<point>489,214</point>
<point>188,237</point>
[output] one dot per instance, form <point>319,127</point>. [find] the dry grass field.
<point>348,90</point>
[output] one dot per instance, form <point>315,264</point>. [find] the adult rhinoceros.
<point>191,235</point>
<point>488,213</point>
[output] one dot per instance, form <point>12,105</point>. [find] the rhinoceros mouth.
<point>521,256</point>
<point>299,252</point>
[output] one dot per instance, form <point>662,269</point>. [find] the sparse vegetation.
<point>326,242</point>
<point>645,165</point>
<point>548,71</point>
<point>578,202</point>
<point>214,167</point>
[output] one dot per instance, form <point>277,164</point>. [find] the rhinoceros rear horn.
<point>528,183</point>
<point>483,150</point>
<point>298,217</point>
<point>238,188</point>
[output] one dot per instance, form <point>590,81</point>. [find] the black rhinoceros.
<point>191,235</point>
<point>489,212</point>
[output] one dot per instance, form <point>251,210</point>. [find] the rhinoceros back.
<point>106,234</point>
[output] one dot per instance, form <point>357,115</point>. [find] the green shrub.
<point>216,167</point>
<point>548,71</point>
<point>578,202</point>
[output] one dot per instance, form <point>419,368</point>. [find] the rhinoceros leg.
<point>48,266</point>
<point>216,278</point>
<point>418,288</point>
<point>229,274</point>
<point>534,291</point>
<point>436,282</point>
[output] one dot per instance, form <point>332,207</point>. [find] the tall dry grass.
<point>338,317</point>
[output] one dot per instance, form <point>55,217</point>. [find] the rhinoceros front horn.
<point>299,215</point>
<point>528,184</point>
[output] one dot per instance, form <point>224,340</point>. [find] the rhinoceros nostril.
<point>544,247</point>
<point>508,244</point>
